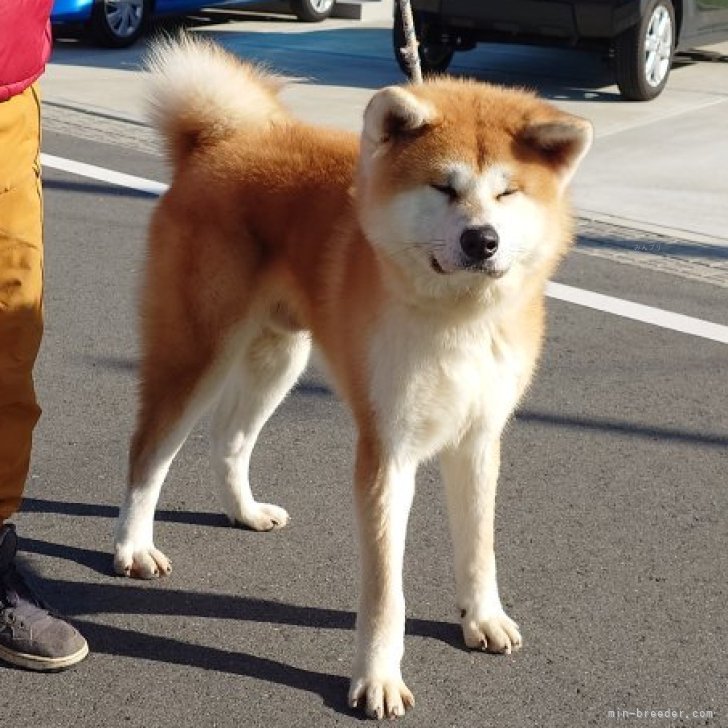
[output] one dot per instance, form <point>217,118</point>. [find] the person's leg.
<point>21,290</point>
<point>30,635</point>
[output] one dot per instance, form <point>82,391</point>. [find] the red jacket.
<point>25,43</point>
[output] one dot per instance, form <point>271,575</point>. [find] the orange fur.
<point>272,227</point>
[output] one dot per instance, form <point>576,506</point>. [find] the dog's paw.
<point>380,697</point>
<point>261,517</point>
<point>495,632</point>
<point>140,563</point>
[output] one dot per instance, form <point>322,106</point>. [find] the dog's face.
<point>461,183</point>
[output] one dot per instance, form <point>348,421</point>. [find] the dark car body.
<point>641,36</point>
<point>571,22</point>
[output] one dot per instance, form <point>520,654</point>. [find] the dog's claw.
<point>497,633</point>
<point>261,517</point>
<point>381,698</point>
<point>140,563</point>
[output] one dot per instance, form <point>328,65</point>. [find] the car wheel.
<point>434,57</point>
<point>313,11</point>
<point>643,53</point>
<point>118,23</point>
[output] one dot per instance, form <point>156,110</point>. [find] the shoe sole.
<point>42,664</point>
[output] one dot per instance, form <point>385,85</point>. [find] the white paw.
<point>140,562</point>
<point>261,517</point>
<point>381,697</point>
<point>495,632</point>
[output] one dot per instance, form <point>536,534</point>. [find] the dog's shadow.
<point>80,600</point>
<point>105,639</point>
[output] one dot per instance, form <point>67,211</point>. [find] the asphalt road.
<point>611,524</point>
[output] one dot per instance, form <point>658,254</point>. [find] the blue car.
<point>118,23</point>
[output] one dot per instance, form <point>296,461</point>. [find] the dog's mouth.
<point>485,268</point>
<point>488,269</point>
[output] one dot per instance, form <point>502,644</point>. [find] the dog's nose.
<point>479,243</point>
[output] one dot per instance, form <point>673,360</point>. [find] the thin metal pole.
<point>409,51</point>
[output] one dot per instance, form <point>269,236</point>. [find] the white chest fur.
<point>433,380</point>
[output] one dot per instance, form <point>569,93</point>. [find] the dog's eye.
<point>507,193</point>
<point>448,190</point>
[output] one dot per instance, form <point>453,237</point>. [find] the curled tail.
<point>199,94</point>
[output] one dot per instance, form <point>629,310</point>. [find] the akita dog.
<point>415,261</point>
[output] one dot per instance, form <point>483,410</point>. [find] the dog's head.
<point>461,184</point>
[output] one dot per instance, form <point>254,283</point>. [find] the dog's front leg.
<point>383,494</point>
<point>470,472</point>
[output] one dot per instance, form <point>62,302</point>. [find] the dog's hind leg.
<point>270,365</point>
<point>174,397</point>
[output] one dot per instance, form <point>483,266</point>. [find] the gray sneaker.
<point>31,635</point>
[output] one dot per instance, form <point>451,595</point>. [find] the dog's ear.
<point>562,142</point>
<point>393,113</point>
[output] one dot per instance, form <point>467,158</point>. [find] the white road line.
<point>589,299</point>
<point>639,312</point>
<point>105,175</point>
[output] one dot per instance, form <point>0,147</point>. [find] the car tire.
<point>118,23</point>
<point>643,54</point>
<point>312,11</point>
<point>434,58</point>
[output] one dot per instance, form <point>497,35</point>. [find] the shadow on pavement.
<point>632,429</point>
<point>309,386</point>
<point>97,561</point>
<point>124,596</point>
<point>82,599</point>
<point>96,510</point>
<point>128,597</point>
<point>125,365</point>
<point>655,245</point>
<point>105,639</point>
<point>94,188</point>
<point>363,57</point>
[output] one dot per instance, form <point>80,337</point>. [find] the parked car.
<point>118,23</point>
<point>641,36</point>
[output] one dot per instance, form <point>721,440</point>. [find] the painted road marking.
<point>589,299</point>
<point>105,175</point>
<point>639,312</point>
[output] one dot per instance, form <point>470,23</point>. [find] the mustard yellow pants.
<point>21,289</point>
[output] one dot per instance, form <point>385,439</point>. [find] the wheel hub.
<point>124,16</point>
<point>658,46</point>
<point>322,6</point>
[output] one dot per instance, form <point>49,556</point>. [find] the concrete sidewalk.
<point>658,167</point>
